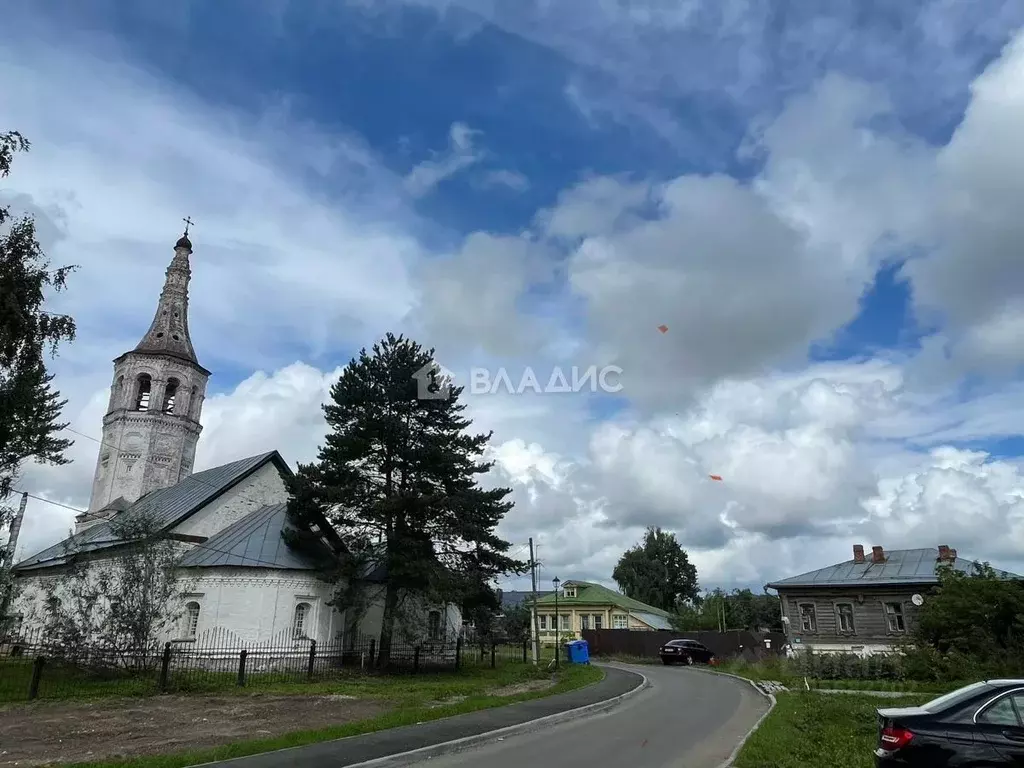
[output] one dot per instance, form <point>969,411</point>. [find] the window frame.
<point>434,630</point>
<point>615,620</point>
<point>900,614</point>
<point>299,628</point>
<point>813,616</point>
<point>191,626</point>
<point>839,605</point>
<point>1011,694</point>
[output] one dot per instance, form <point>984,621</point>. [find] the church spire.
<point>168,334</point>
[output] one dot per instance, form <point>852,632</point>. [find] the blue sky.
<point>522,183</point>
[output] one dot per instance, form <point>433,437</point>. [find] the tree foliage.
<point>29,406</point>
<point>123,604</point>
<point>398,476</point>
<point>739,609</point>
<point>657,572</point>
<point>976,613</point>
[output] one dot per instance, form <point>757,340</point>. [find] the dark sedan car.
<point>979,725</point>
<point>686,652</point>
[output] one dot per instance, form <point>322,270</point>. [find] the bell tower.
<point>152,423</point>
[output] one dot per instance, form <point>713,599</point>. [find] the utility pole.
<point>533,607</point>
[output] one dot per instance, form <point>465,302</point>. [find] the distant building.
<point>865,605</point>
<point>585,605</point>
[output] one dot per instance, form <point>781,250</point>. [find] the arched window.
<point>192,401</point>
<point>170,393</point>
<point>301,614</point>
<point>434,625</point>
<point>143,389</point>
<point>191,620</point>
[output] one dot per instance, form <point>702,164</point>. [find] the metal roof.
<point>255,541</point>
<point>589,593</point>
<point>901,566</point>
<point>166,507</point>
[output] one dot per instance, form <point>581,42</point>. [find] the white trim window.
<point>619,621</point>
<point>191,624</point>
<point>300,622</point>
<point>542,619</point>
<point>894,617</point>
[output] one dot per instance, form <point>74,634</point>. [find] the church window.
<point>191,620</point>
<point>434,625</point>
<point>301,614</point>
<point>143,390</point>
<point>170,394</point>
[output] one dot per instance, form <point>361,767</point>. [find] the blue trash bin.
<point>578,652</point>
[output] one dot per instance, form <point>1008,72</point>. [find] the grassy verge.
<point>780,671</point>
<point>818,730</point>
<point>412,697</point>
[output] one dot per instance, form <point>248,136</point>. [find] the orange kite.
<point>663,328</point>
<point>716,477</point>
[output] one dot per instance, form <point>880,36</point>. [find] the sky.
<point>822,206</point>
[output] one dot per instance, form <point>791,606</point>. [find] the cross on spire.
<point>188,223</point>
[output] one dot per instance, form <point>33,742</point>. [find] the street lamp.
<point>558,623</point>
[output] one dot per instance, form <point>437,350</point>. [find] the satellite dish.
<point>917,600</point>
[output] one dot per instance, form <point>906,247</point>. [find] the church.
<point>245,585</point>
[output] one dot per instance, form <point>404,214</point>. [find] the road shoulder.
<point>424,739</point>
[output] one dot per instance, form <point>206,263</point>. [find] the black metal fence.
<point>31,668</point>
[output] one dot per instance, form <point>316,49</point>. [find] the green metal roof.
<point>588,593</point>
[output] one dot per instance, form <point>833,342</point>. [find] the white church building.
<point>245,585</point>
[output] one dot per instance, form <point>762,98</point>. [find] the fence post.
<point>416,660</point>
<point>493,646</point>
<point>165,667</point>
<point>373,651</point>
<point>312,658</point>
<point>241,666</point>
<point>526,648</point>
<point>37,674</point>
<point>458,652</point>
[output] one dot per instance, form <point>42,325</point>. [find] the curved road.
<point>684,718</point>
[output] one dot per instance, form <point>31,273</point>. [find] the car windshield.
<point>953,698</point>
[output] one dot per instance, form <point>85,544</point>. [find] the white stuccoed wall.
<point>265,486</point>
<point>257,605</point>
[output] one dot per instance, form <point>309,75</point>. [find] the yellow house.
<point>585,605</point>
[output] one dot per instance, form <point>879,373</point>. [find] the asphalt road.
<point>685,719</point>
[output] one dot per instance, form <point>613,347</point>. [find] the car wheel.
<point>688,661</point>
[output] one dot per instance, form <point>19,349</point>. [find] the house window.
<point>299,623</point>
<point>584,621</point>
<point>894,616</point>
<point>808,619</point>
<point>170,393</point>
<point>543,621</point>
<point>191,620</point>
<point>598,620</point>
<point>570,591</point>
<point>434,625</point>
<point>844,615</point>
<point>618,621</point>
<point>565,622</point>
<point>143,389</point>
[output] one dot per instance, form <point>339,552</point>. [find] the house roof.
<point>255,541</point>
<point>588,593</point>
<point>166,507</point>
<point>901,566</point>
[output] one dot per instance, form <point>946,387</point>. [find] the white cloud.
<point>460,154</point>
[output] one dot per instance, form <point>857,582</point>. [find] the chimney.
<point>858,553</point>
<point>877,555</point>
<point>944,552</point>
<point>952,554</point>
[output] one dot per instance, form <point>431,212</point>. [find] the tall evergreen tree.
<point>657,572</point>
<point>29,406</point>
<point>397,476</point>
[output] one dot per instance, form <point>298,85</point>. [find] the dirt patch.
<point>75,732</point>
<point>527,687</point>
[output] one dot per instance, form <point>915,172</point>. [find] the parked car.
<point>981,724</point>
<point>686,652</point>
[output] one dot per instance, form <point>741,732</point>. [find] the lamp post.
<point>558,623</point>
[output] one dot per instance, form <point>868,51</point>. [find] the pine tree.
<point>29,406</point>
<point>397,476</point>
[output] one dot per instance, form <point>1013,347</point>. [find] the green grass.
<point>69,683</point>
<point>782,671</point>
<point>410,695</point>
<point>818,730</point>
